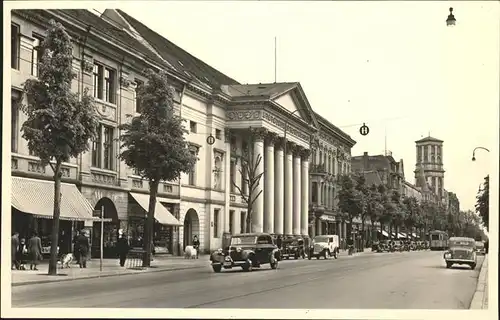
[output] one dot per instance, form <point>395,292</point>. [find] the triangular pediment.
<point>295,102</point>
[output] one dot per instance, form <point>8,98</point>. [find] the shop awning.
<point>414,235</point>
<point>401,235</point>
<point>162,215</point>
<point>36,197</point>
<point>326,217</point>
<point>384,233</point>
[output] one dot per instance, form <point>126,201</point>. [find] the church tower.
<point>429,172</point>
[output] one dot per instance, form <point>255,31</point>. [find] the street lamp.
<point>450,22</point>
<point>474,152</point>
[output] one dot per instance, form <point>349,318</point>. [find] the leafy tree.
<point>374,207</point>
<point>251,177</point>
<point>154,144</point>
<point>399,211</point>
<point>412,209</point>
<point>363,199</point>
<point>483,202</point>
<point>387,206</point>
<point>59,123</point>
<point>350,198</point>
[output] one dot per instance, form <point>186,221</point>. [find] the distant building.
<point>430,165</point>
<point>410,190</point>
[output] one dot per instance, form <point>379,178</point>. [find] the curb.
<point>19,284</point>
<point>481,293</point>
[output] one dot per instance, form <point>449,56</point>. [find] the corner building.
<point>110,53</point>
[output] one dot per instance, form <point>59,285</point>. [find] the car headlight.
<point>447,255</point>
<point>227,258</point>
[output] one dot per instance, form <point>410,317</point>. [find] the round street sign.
<point>210,139</point>
<point>364,130</point>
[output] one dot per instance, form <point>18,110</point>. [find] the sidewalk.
<point>480,298</point>
<point>111,267</point>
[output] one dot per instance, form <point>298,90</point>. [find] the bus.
<point>438,240</point>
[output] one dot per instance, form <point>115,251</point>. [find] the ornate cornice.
<point>297,151</point>
<point>124,82</point>
<point>244,115</point>
<point>281,124</point>
<point>290,146</point>
<point>305,154</point>
<point>280,143</point>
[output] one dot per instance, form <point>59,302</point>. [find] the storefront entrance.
<point>191,227</point>
<point>110,230</point>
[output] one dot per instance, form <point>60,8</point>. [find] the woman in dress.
<point>34,250</point>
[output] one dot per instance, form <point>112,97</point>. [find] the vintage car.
<point>480,249</point>
<point>293,247</point>
<point>396,245</point>
<point>461,250</point>
<point>248,251</point>
<point>324,246</point>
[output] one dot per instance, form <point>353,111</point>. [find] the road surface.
<point>409,280</point>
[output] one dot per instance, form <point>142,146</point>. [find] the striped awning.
<point>326,217</point>
<point>401,235</point>
<point>384,233</point>
<point>36,197</point>
<point>162,215</point>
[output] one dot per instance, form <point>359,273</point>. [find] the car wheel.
<point>327,254</point>
<point>309,257</point>
<point>448,265</point>
<point>217,268</point>
<point>335,254</point>
<point>296,256</point>
<point>473,266</point>
<point>247,266</point>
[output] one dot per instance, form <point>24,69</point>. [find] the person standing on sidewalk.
<point>14,248</point>
<point>122,248</point>
<point>76,250</point>
<point>34,250</point>
<point>83,249</point>
<point>196,245</point>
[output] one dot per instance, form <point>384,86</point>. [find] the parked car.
<point>461,250</point>
<point>324,246</point>
<point>293,247</point>
<point>480,249</point>
<point>248,251</point>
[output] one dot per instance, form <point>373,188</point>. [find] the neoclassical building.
<point>224,118</point>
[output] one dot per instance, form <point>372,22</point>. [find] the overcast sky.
<point>394,65</point>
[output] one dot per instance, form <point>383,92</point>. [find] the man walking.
<point>122,247</point>
<point>83,248</point>
<point>15,247</point>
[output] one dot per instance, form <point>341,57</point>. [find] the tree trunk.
<point>55,219</point>
<point>149,226</point>
<point>249,217</point>
<point>363,233</point>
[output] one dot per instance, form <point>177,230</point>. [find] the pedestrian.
<point>279,241</point>
<point>76,250</point>
<point>122,248</point>
<point>34,250</point>
<point>22,250</point>
<point>83,248</point>
<point>196,245</point>
<point>14,248</point>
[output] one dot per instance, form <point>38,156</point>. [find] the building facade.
<point>430,161</point>
<point>331,158</point>
<point>273,121</point>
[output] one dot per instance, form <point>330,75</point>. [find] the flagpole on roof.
<point>275,59</point>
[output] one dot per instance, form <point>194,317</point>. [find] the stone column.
<point>227,178</point>
<point>318,227</point>
<point>288,221</point>
<point>269,185</point>
<point>279,192</point>
<point>320,187</point>
<point>258,205</point>
<point>297,194</point>
<point>304,223</point>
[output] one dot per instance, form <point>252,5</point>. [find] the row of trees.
<point>358,199</point>
<point>483,202</point>
<point>60,125</point>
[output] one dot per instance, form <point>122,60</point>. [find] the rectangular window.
<point>192,126</point>
<point>218,134</point>
<point>104,80</point>
<point>138,106</point>
<point>96,149</point>
<point>426,154</point>
<point>108,148</point>
<point>314,192</point>
<point>15,42</point>
<point>231,218</point>
<point>14,120</point>
<point>419,155</point>
<point>216,223</point>
<point>36,55</point>
<point>192,173</point>
<point>232,174</point>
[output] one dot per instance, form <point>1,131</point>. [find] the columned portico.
<point>297,194</point>
<point>288,217</point>
<point>269,198</point>
<point>279,192</point>
<point>304,224</point>
<point>258,205</point>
